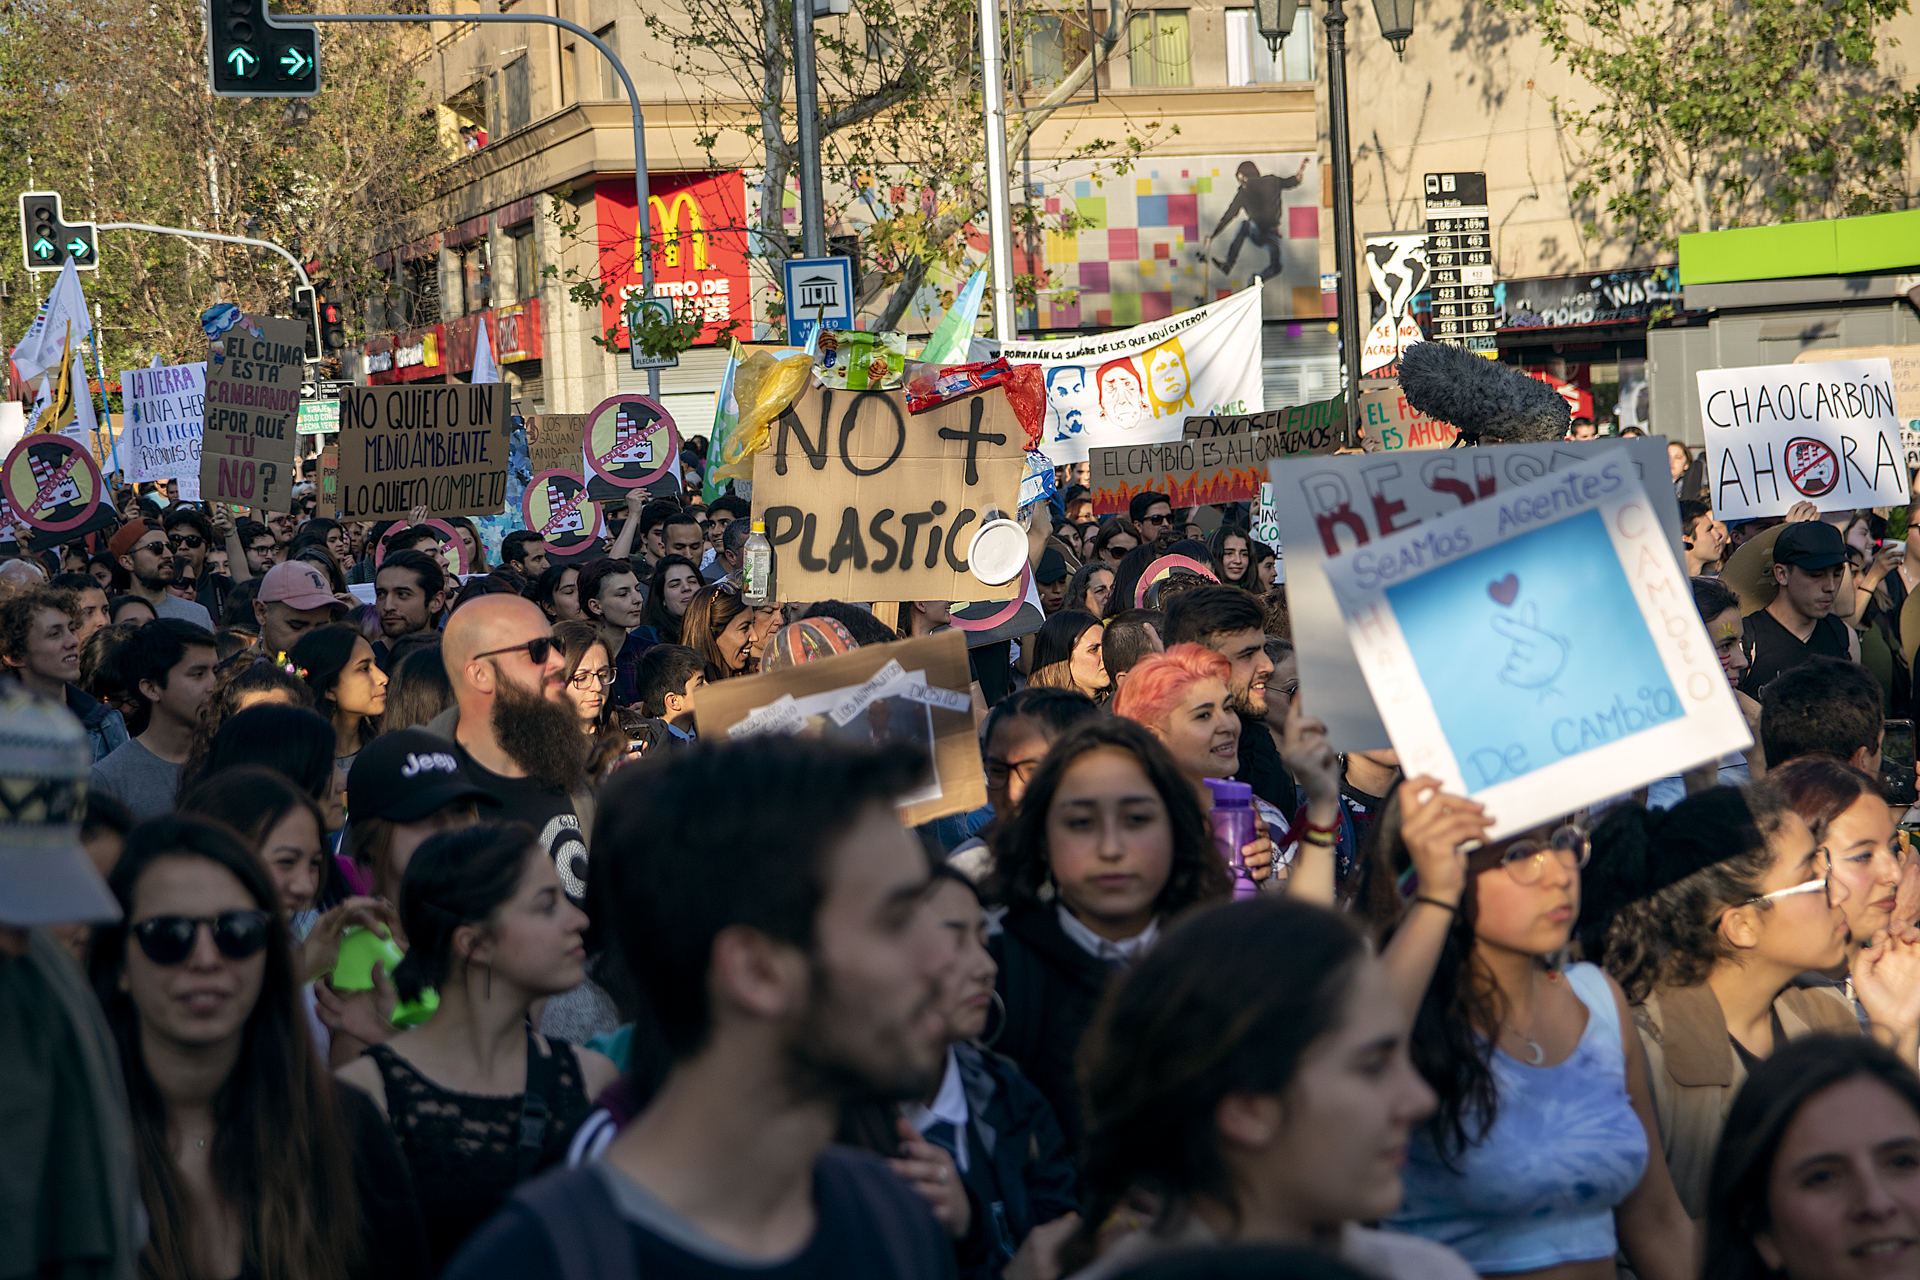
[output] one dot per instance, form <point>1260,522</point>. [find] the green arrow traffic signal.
<point>78,247</point>
<point>294,65</point>
<point>43,247</point>
<point>242,61</point>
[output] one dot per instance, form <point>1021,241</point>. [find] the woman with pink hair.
<point>1181,696</point>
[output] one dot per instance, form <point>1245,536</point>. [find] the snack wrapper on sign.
<point>930,385</point>
<point>854,360</point>
<point>1027,393</point>
<point>763,388</point>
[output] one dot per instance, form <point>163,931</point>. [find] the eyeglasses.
<point>1823,885</point>
<point>583,679</point>
<point>1526,860</point>
<point>537,650</point>
<point>191,541</point>
<point>1156,519</point>
<point>1000,771</point>
<point>170,939</point>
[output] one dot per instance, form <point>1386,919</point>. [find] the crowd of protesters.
<point>421,932</point>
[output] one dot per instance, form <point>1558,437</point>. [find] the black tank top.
<point>465,1149</point>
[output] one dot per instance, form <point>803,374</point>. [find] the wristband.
<point>1435,902</point>
<point>1322,839</point>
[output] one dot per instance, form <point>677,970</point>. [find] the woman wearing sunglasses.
<point>1717,906</point>
<point>1543,1154</point>
<point>251,1161</point>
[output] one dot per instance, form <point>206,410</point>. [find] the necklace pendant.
<point>1539,1054</point>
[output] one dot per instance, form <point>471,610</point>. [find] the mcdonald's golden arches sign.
<point>698,229</point>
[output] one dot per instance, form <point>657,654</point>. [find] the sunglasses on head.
<point>170,939</point>
<point>536,649</point>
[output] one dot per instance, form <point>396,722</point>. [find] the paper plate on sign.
<point>630,441</point>
<point>556,506</point>
<point>453,551</point>
<point>998,552</point>
<point>52,483</point>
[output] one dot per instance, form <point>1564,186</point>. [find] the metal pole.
<point>298,270</point>
<point>806,95</point>
<point>1351,333</point>
<point>643,229</point>
<point>999,204</point>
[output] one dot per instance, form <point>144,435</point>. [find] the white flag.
<point>484,368</point>
<point>84,423</point>
<point>41,402</point>
<point>40,350</point>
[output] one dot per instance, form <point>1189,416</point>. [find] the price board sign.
<point>1460,256</point>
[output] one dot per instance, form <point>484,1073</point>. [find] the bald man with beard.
<point>514,731</point>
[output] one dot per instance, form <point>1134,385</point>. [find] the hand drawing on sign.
<point>1067,400</point>
<point>1538,656</point>
<point>1169,383</point>
<point>1122,403</point>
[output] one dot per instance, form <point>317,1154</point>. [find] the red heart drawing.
<point>1504,590</point>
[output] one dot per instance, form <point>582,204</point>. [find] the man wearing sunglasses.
<point>514,730</point>
<point>1152,514</point>
<point>142,549</point>
<point>192,537</point>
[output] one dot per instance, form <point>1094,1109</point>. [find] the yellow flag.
<point>60,412</point>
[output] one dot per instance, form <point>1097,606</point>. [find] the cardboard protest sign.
<point>1905,363</point>
<point>327,477</point>
<point>439,447</point>
<point>1138,385</point>
<point>864,501</point>
<point>51,482</point>
<point>1328,508</point>
<point>1387,417</point>
<point>161,433</point>
<point>252,412</point>
<point>912,693</point>
<point>1225,468</point>
<point>1319,423</point>
<point>553,442</point>
<point>1777,434</point>
<point>1539,651</point>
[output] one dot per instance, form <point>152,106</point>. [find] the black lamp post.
<point>1396,24</point>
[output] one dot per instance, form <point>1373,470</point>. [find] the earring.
<point>988,1041</point>
<point>487,993</point>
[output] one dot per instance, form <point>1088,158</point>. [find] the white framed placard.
<point>1540,651</point>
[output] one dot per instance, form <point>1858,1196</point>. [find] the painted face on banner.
<point>1121,401</point>
<point>1068,400</point>
<point>1168,379</point>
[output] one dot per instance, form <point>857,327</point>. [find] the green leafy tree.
<point>106,101</point>
<point>1707,114</point>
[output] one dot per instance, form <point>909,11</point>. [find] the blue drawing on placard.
<point>1534,650</point>
<point>1537,656</point>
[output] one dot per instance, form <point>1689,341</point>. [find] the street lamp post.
<point>1396,24</point>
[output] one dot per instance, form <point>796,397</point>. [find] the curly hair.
<point>17,610</point>
<point>1021,861</point>
<point>1669,936</point>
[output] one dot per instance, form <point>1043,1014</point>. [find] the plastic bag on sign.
<point>1036,485</point>
<point>932,385</point>
<point>1027,393</point>
<point>854,360</point>
<point>764,386</point>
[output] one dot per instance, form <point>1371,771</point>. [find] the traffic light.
<point>249,55</point>
<point>306,308</point>
<point>333,326</point>
<point>47,240</point>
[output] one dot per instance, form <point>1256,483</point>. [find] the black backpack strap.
<point>590,1240</point>
<point>536,1114</point>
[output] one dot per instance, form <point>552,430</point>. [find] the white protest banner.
<point>1328,508</point>
<point>1905,363</point>
<point>1825,433</point>
<point>160,437</point>
<point>1539,651</point>
<point>1139,385</point>
<point>62,321</point>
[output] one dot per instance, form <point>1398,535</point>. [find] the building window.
<point>466,116</point>
<point>1158,49</point>
<point>610,86</point>
<point>526,262</point>
<point>420,291</point>
<point>474,277</point>
<point>1055,46</point>
<point>1249,62</point>
<point>517,104</point>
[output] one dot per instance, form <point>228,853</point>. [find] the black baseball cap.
<point>405,775</point>
<point>1053,567</point>
<point>1811,544</point>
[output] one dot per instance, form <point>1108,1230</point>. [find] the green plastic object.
<point>353,971</point>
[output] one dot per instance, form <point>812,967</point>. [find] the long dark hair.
<point>1053,648</point>
<point>665,626</point>
<point>1738,1199</point>
<point>609,734</point>
<point>1249,579</point>
<point>710,612</point>
<point>324,653</point>
<point>455,878</point>
<point>252,799</point>
<point>417,689</point>
<point>260,675</point>
<point>1198,1019</point>
<point>541,589</point>
<point>1021,866</point>
<point>280,1154</point>
<point>1083,583</point>
<point>1821,788</point>
<point>296,741</point>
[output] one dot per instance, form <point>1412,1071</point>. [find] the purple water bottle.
<point>1234,830</point>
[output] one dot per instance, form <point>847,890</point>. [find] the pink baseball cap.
<point>297,585</point>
